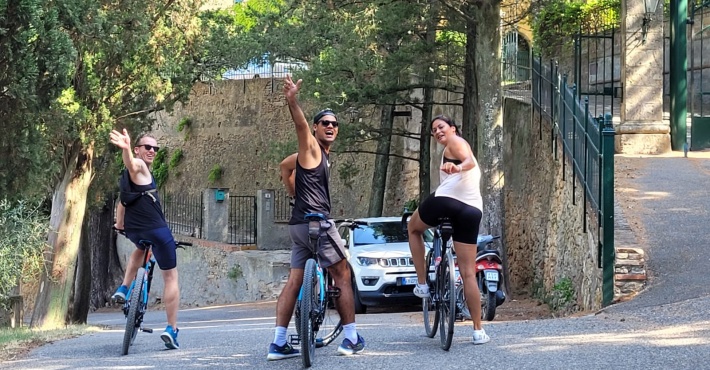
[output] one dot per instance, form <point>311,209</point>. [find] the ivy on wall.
<point>559,20</point>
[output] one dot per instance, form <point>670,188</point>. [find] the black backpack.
<point>129,197</point>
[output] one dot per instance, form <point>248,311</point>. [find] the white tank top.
<point>463,186</point>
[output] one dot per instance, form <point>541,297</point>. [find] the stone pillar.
<point>269,234</point>
<point>216,218</point>
<point>642,129</point>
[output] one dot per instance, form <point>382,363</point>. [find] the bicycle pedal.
<point>294,339</point>
<point>147,330</point>
<point>334,292</point>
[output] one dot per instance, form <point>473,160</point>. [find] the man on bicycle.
<point>458,198</point>
<point>143,219</point>
<point>305,175</point>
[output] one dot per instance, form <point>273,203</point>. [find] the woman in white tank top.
<point>457,198</point>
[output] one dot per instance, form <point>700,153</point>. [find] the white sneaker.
<point>421,291</point>
<point>480,337</point>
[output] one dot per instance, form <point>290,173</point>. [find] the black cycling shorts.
<point>465,219</point>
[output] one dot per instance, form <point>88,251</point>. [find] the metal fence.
<point>588,145</point>
<point>242,219</point>
<point>282,206</point>
<point>183,213</point>
<point>278,69</point>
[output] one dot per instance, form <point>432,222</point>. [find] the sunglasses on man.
<point>148,147</point>
<point>326,123</point>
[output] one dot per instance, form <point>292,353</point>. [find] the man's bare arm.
<point>288,173</point>
<point>120,213</point>
<point>308,149</point>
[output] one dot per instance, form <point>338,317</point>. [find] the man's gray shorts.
<point>332,249</point>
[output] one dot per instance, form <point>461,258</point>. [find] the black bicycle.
<point>317,298</point>
<point>440,308</point>
<point>136,303</point>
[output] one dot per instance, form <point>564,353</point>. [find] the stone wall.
<point>240,125</point>
<point>213,273</point>
<point>544,230</point>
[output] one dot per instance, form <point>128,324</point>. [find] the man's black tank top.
<point>312,190</point>
<point>146,212</point>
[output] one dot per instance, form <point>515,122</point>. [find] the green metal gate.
<point>699,76</point>
<point>596,67</point>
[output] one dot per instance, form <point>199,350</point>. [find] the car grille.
<point>400,262</point>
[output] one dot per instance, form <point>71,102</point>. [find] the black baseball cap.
<point>323,113</point>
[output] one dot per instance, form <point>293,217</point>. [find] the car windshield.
<point>382,233</point>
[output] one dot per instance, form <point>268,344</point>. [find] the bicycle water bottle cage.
<point>446,229</point>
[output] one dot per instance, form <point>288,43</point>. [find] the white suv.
<point>383,270</point>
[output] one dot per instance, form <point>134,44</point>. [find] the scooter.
<point>489,275</point>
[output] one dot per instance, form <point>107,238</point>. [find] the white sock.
<point>280,336</point>
<point>350,332</point>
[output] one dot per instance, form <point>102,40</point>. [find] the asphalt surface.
<point>666,326</point>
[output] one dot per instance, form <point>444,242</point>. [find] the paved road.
<point>236,337</point>
<point>674,208</point>
<point>667,326</point>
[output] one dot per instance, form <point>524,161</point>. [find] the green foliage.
<point>184,123</point>
<point>160,167</point>
<point>215,174</point>
<point>348,170</point>
<point>558,20</point>
<point>24,232</point>
<point>36,60</point>
<point>175,158</point>
<point>235,273</point>
<point>14,341</point>
<point>562,294</point>
<point>411,205</point>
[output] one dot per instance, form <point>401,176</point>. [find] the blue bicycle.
<point>136,303</point>
<point>317,298</point>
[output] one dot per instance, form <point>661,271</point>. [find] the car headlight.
<point>366,261</point>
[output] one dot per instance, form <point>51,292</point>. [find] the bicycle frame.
<point>310,315</point>
<point>148,265</point>
<point>439,304</point>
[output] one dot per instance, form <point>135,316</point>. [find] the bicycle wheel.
<point>447,306</point>
<point>307,304</point>
<point>331,325</point>
<point>132,323</point>
<point>431,314</point>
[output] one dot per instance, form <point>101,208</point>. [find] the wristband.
<point>460,167</point>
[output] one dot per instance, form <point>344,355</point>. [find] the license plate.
<point>408,281</point>
<point>492,275</point>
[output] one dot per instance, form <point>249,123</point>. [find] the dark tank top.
<point>312,190</point>
<point>146,213</point>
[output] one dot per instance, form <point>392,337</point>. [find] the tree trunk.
<point>67,215</point>
<point>427,108</point>
<point>489,118</point>
<point>106,270</point>
<point>79,310</point>
<point>471,108</point>
<point>425,145</point>
<point>382,160</point>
